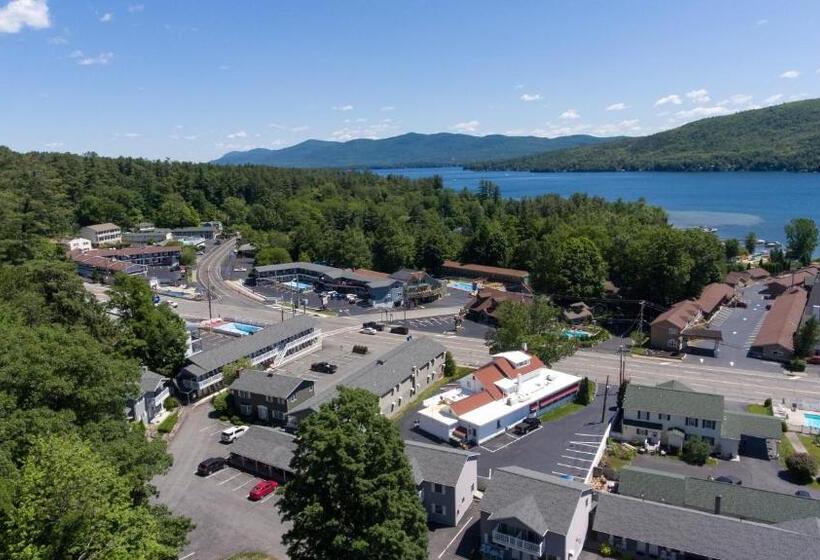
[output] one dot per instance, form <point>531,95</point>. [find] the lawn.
<point>168,424</point>
<point>787,450</point>
<point>759,409</point>
<point>811,447</point>
<point>561,412</point>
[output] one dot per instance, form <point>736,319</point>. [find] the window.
<point>709,440</point>
<point>692,422</point>
<point>245,409</point>
<point>664,417</point>
<point>439,509</point>
<point>642,432</point>
<point>438,488</point>
<point>708,424</point>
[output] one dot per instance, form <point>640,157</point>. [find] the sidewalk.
<point>796,443</point>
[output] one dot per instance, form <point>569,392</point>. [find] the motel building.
<point>497,396</point>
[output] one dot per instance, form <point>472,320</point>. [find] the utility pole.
<point>621,366</point>
<point>640,320</point>
<point>606,393</point>
<point>208,289</point>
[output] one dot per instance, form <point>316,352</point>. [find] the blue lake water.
<point>735,203</point>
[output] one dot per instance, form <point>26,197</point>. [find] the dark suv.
<point>210,466</point>
<point>401,329</point>
<point>324,367</point>
<point>528,425</point>
<point>373,325</point>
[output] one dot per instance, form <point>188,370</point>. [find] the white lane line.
<point>589,435</point>
<point>241,485</point>
<point>568,450</point>
<point>187,556</point>
<point>572,467</point>
<point>221,482</point>
<point>268,497</point>
<point>584,443</point>
<point>449,544</point>
<point>577,458</point>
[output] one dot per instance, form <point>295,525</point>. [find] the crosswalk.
<point>431,322</point>
<point>720,317</point>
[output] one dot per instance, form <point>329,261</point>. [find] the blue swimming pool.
<point>569,333</point>
<point>811,420</point>
<point>464,286</point>
<point>301,286</point>
<point>237,329</point>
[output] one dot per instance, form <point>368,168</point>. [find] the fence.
<point>599,453</point>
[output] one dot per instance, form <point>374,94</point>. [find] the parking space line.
<point>241,485</point>
<point>589,435</point>
<point>221,482</point>
<point>577,458</point>
<point>268,497</point>
<point>572,467</point>
<point>585,443</point>
<point>578,451</point>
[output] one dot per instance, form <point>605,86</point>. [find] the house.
<point>496,397</point>
<point>94,267</point>
<point>146,236</point>
<point>757,274</point>
<point>665,331</point>
<point>672,412</point>
<point>578,313</point>
<point>483,307</point>
<point>205,230</point>
<point>742,502</point>
<point>775,339</point>
<point>645,528</point>
<point>275,345</point>
<point>395,378</point>
<point>783,283</point>
<point>102,234</point>
<point>268,396</point>
<point>713,297</point>
<point>446,479</point>
<point>149,403</point>
<point>528,515</point>
<point>507,276</point>
<point>264,452</point>
<point>148,256</point>
<point>738,279</point>
<point>419,287</point>
<point>77,244</point>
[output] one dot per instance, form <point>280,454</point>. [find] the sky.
<point>193,79</point>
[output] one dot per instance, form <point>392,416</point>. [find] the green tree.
<point>393,248</point>
<point>622,393</point>
<point>584,394</point>
<point>572,266</point>
<point>231,371</point>
<point>352,495</point>
<point>175,212</point>
<point>187,255</point>
<point>750,242</point>
<point>806,338</point>
<point>351,249</point>
<point>695,451</point>
<point>801,234</point>
<point>731,248</point>
<point>158,337</point>
<point>272,255</point>
<point>489,245</point>
<point>802,467</point>
<point>449,364</point>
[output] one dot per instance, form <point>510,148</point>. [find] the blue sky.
<point>193,79</point>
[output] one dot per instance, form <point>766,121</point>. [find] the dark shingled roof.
<point>675,401</point>
<point>540,501</point>
<point>697,493</point>
<point>435,463</point>
<point>149,380</point>
<point>265,445</point>
<point>695,532</point>
<point>267,383</point>
<point>809,526</point>
<point>736,424</point>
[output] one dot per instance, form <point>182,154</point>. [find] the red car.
<point>262,489</point>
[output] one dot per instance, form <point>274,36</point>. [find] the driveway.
<point>449,543</point>
<point>226,521</point>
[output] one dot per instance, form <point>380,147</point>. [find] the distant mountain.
<point>784,137</point>
<point>407,150</point>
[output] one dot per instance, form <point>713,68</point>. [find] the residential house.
<point>94,267</point>
<point>506,276</point>
<point>419,287</point>
<point>578,313</point>
<point>483,307</point>
<point>672,412</point>
<point>665,331</point>
<point>738,279</point>
<point>80,244</point>
<point>267,396</point>
<point>775,339</point>
<point>264,452</point>
<point>148,256</point>
<point>757,274</point>
<point>496,397</point>
<point>530,515</point>
<point>144,237</point>
<point>275,345</point>
<point>785,282</point>
<point>149,403</point>
<point>205,230</point>
<point>395,378</point>
<point>102,234</point>
<point>812,309</point>
<point>713,297</point>
<point>446,479</point>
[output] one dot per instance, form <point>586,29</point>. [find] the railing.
<point>205,383</point>
<point>517,543</point>
<point>162,395</point>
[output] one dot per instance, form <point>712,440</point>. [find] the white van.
<point>229,435</point>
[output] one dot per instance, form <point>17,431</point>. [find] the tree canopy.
<point>801,234</point>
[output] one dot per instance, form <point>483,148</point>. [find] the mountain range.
<point>407,150</point>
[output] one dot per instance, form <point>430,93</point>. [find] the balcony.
<point>515,542</point>
<point>202,383</point>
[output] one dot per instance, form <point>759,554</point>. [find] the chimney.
<point>524,346</point>
<point>718,500</point>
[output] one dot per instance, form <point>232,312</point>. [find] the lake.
<point>733,202</point>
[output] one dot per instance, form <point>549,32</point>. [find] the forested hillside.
<point>407,150</point>
<point>784,137</point>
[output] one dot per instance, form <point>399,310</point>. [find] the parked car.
<point>368,330</point>
<point>324,367</point>
<point>726,479</point>
<point>172,304</point>
<point>351,298</point>
<point>528,425</point>
<point>262,489</point>
<point>813,359</point>
<point>229,435</point>
<point>373,325</point>
<point>210,466</point>
<point>401,329</point>
<point>332,294</point>
<point>803,494</point>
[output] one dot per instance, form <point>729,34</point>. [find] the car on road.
<point>803,494</point>
<point>240,269</point>
<point>324,367</point>
<point>172,304</point>
<point>373,325</point>
<point>351,298</point>
<point>263,488</point>
<point>229,435</point>
<point>368,330</point>
<point>401,329</point>
<point>728,479</point>
<point>528,425</point>
<point>210,466</point>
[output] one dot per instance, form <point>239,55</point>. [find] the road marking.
<point>241,485</point>
<point>187,556</point>
<point>221,482</point>
<point>585,443</point>
<point>455,536</point>
<point>577,459</point>
<point>577,451</point>
<point>572,467</point>
<point>589,435</point>
<point>268,497</point>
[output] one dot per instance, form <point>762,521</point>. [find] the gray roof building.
<point>696,532</point>
<point>435,463</point>
<point>675,399</point>
<point>149,380</point>
<point>540,501</point>
<point>736,501</point>
<point>736,424</point>
<point>267,383</point>
<point>266,446</point>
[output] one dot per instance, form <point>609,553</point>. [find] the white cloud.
<point>134,8</point>
<point>387,108</point>
<point>790,74</point>
<point>132,134</point>
<point>798,96</point>
<point>106,17</point>
<point>570,114</point>
<point>761,22</point>
<point>817,71</point>
<point>531,97</point>
<point>342,107</point>
<point>620,106</point>
<point>613,129</point>
<point>84,60</point>
<point>468,126</point>
<point>18,14</point>
<point>698,96</point>
<point>772,99</point>
<point>673,98</point>
<point>58,40</point>
<point>238,134</point>
<point>53,145</point>
<point>702,112</point>
<point>740,99</point>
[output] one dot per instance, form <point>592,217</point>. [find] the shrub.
<point>586,392</point>
<point>360,349</point>
<point>236,420</point>
<point>768,403</point>
<point>171,403</point>
<point>796,365</point>
<point>168,424</point>
<point>695,451</point>
<point>449,364</point>
<point>802,467</point>
<point>223,403</point>
<point>783,426</point>
<point>606,550</point>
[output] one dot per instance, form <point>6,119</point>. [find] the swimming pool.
<point>811,420</point>
<point>301,286</point>
<point>576,334</point>
<point>237,329</point>
<point>464,286</point>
